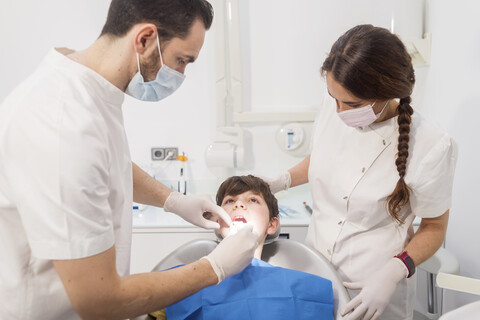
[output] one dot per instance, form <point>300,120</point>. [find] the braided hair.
<point>373,64</point>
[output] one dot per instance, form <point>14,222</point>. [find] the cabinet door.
<point>297,233</point>
<point>148,248</point>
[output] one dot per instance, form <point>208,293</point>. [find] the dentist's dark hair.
<point>236,185</point>
<point>173,18</point>
<point>373,64</point>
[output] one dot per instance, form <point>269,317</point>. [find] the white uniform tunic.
<point>352,172</point>
<point>65,184</point>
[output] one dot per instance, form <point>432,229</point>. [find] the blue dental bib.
<point>260,292</point>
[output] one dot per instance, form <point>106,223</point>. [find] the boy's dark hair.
<point>173,18</point>
<point>239,184</point>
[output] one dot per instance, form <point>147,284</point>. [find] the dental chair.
<point>469,311</point>
<point>283,253</point>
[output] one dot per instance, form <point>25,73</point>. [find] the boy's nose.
<point>239,204</point>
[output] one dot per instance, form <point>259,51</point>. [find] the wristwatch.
<point>405,258</point>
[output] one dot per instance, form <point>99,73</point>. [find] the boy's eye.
<point>254,200</point>
<point>228,201</point>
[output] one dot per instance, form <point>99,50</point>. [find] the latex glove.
<point>197,209</point>
<point>234,252</point>
<point>282,182</point>
<point>377,290</point>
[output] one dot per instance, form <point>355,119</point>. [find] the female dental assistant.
<point>375,165</point>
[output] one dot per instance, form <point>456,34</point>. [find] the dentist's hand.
<point>234,252</point>
<point>377,290</point>
<point>197,209</point>
<point>282,182</point>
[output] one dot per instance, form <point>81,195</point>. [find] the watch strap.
<point>405,258</point>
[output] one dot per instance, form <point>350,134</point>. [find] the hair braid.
<point>401,194</point>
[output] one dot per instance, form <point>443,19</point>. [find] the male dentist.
<point>67,181</point>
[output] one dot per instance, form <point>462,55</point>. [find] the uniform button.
<point>345,198</point>
<point>363,170</point>
<point>340,222</point>
<point>384,143</point>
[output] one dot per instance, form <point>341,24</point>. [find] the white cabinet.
<point>152,244</point>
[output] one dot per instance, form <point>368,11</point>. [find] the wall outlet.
<point>172,150</point>
<point>158,153</point>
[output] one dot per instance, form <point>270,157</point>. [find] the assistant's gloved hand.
<point>377,290</point>
<point>282,182</point>
<point>197,209</point>
<point>234,252</point>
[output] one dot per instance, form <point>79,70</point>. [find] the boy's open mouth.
<point>239,219</point>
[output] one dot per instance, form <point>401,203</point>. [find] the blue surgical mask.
<point>166,82</point>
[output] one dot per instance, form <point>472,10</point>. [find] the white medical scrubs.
<point>65,184</point>
<point>352,172</point>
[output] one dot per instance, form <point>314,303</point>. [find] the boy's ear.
<point>273,225</point>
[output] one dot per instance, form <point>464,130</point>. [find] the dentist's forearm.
<point>147,190</point>
<point>96,291</point>
<point>299,173</point>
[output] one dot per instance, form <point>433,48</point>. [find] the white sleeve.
<point>432,186</point>
<point>58,170</point>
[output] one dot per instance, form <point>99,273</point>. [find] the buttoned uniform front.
<point>66,184</point>
<point>352,171</point>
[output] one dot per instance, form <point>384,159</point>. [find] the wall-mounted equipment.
<point>294,138</point>
<point>409,23</point>
<point>227,150</point>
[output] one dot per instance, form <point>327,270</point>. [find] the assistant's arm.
<point>428,238</point>
<point>98,292</point>
<point>299,173</point>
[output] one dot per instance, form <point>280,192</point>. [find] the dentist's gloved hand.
<point>197,209</point>
<point>282,182</point>
<point>377,290</point>
<point>234,252</point>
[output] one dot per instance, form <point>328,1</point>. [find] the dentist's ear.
<point>144,38</point>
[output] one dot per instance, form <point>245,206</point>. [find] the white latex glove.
<point>377,290</point>
<point>282,182</point>
<point>234,252</point>
<point>197,209</point>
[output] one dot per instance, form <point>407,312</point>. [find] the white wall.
<point>288,45</point>
<point>452,98</point>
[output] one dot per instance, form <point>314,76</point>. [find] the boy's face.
<point>249,207</point>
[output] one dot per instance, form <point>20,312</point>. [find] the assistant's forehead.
<point>337,91</point>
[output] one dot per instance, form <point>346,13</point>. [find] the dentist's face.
<point>177,53</point>
<point>248,207</point>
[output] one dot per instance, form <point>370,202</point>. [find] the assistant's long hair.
<point>373,64</point>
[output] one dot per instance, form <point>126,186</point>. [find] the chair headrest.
<point>269,239</point>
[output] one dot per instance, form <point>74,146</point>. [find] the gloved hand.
<point>234,252</point>
<point>282,182</point>
<point>377,290</point>
<point>197,209</point>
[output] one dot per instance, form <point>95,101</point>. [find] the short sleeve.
<point>58,171</point>
<point>433,182</point>
<point>321,119</point>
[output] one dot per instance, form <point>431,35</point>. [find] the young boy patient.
<point>260,291</point>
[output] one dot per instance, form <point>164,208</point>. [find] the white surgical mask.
<point>360,117</point>
<point>166,82</point>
